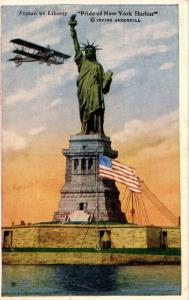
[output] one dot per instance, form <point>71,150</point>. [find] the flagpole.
<point>132,208</point>
<point>97,237</point>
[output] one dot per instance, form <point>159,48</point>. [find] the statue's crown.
<point>88,45</point>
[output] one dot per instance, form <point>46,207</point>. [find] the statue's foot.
<point>93,132</point>
<point>101,133</point>
<point>82,133</point>
<point>90,132</point>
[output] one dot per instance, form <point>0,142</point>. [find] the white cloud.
<point>160,30</point>
<point>164,30</point>
<point>27,30</point>
<point>36,131</point>
<point>145,41</point>
<point>44,30</point>
<point>13,141</point>
<point>147,50</point>
<point>125,75</point>
<point>152,131</point>
<point>58,77</point>
<point>55,103</point>
<point>39,23</point>
<point>166,66</point>
<point>21,96</point>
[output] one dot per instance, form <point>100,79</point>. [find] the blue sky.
<point>143,57</point>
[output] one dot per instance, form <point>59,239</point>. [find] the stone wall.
<point>173,237</point>
<point>22,237</point>
<point>128,237</point>
<point>66,237</point>
<point>78,236</point>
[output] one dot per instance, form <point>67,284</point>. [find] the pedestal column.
<point>85,195</point>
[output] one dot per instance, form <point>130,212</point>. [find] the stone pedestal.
<point>84,190</point>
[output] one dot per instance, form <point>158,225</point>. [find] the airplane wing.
<point>29,45</point>
<point>30,55</point>
<point>33,46</point>
<point>61,55</point>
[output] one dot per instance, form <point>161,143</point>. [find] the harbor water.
<point>62,280</point>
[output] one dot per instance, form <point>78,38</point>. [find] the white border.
<point>184,140</point>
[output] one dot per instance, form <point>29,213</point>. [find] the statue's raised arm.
<point>72,22</point>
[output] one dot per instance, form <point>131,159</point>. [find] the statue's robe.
<point>92,83</point>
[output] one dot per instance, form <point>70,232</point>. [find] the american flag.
<point>119,172</point>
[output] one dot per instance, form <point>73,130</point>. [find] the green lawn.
<point>149,251</point>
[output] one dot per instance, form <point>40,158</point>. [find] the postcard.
<point>94,149</point>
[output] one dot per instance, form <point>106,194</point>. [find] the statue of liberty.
<point>92,83</point>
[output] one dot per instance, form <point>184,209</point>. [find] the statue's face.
<point>90,53</point>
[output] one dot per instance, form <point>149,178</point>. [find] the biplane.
<point>30,52</point>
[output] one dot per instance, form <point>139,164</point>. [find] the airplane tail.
<point>16,60</point>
